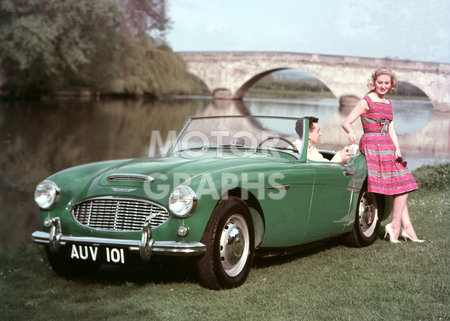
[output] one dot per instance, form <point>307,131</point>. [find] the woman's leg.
<point>397,214</point>
<point>407,225</point>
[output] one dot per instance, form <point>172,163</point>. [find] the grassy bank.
<point>286,94</point>
<point>333,282</point>
<point>294,94</point>
<point>268,87</point>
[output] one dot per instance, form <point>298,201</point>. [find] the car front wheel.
<point>367,221</point>
<point>229,239</point>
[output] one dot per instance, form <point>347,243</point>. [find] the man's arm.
<point>313,154</point>
<point>342,156</point>
<point>337,158</point>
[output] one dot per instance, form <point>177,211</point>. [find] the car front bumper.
<point>146,246</point>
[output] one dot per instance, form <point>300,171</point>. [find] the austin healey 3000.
<point>228,188</point>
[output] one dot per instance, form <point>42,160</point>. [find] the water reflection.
<point>410,115</point>
<point>40,138</point>
<point>423,133</point>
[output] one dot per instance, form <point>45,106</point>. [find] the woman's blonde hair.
<point>379,72</point>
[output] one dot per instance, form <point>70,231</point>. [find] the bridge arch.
<point>418,83</point>
<point>241,91</point>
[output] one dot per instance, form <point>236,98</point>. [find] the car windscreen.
<point>257,132</point>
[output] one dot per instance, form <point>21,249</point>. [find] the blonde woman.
<point>387,171</point>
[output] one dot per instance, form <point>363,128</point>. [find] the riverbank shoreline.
<point>86,94</point>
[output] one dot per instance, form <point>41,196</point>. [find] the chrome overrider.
<point>146,246</point>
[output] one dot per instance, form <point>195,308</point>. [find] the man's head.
<point>314,130</point>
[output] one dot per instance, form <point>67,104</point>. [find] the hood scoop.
<point>130,178</point>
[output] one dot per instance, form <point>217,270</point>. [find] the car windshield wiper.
<point>233,145</point>
<point>285,148</point>
<point>205,147</point>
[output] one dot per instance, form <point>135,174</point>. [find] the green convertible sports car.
<point>228,188</point>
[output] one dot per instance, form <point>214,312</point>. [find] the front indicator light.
<point>183,231</point>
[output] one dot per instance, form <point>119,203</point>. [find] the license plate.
<point>97,254</point>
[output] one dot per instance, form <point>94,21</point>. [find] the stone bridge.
<point>229,75</point>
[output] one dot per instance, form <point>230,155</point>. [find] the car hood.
<point>165,168</point>
<point>156,177</point>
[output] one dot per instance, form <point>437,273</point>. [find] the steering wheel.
<point>281,138</point>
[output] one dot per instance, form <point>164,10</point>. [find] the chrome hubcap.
<point>234,245</point>
<point>368,214</point>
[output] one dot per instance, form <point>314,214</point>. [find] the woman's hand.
<point>352,137</point>
<point>398,153</point>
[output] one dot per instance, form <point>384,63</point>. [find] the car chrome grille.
<point>130,178</point>
<point>119,214</point>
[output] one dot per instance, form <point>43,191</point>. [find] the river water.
<point>40,138</point>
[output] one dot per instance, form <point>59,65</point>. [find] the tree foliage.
<point>101,45</point>
<point>146,17</point>
<point>46,43</point>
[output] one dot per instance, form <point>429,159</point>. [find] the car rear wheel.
<point>63,266</point>
<point>367,220</point>
<point>229,239</point>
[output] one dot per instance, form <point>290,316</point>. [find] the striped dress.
<point>385,175</point>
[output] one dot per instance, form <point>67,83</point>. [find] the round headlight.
<point>46,194</point>
<point>182,201</point>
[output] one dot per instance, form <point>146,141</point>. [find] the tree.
<point>45,43</point>
<point>146,17</point>
<point>106,45</point>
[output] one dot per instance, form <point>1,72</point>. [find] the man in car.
<point>313,139</point>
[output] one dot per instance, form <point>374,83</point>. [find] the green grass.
<point>286,94</point>
<point>297,94</point>
<point>333,282</point>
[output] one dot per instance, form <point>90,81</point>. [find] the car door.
<point>286,218</point>
<point>330,203</point>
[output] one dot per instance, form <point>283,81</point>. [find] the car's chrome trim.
<point>57,194</point>
<point>286,187</point>
<point>131,218</point>
<point>158,247</point>
<point>124,177</point>
<point>250,148</point>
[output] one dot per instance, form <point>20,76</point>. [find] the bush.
<point>433,177</point>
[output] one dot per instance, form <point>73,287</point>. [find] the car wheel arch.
<point>255,208</point>
<point>384,203</point>
<point>369,214</point>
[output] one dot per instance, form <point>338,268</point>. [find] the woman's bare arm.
<point>360,108</point>
<point>394,138</point>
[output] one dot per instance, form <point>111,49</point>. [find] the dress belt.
<point>382,122</point>
<point>385,128</point>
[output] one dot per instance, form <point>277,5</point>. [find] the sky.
<point>399,29</point>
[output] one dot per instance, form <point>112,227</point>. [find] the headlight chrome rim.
<point>183,201</point>
<point>46,194</point>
